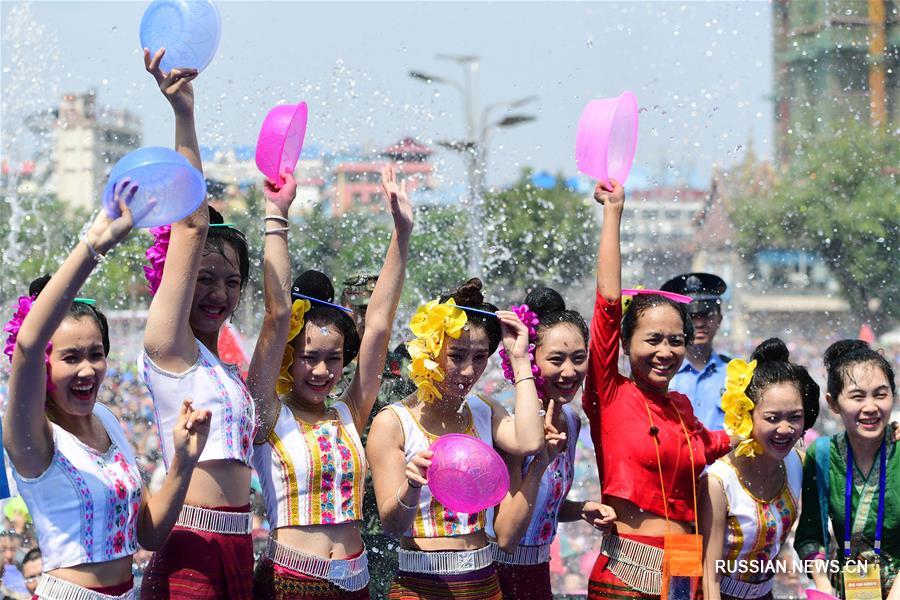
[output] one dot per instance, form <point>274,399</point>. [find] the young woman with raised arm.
<point>444,554</point>
<point>72,463</point>
<point>651,449</point>
<point>309,456</point>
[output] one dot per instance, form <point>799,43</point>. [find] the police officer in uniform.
<point>702,376</point>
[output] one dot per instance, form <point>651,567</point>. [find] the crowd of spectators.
<point>574,551</point>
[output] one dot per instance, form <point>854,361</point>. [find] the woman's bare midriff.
<point>219,483</point>
<point>631,519</point>
<point>328,541</point>
<point>101,574</point>
<point>470,541</point>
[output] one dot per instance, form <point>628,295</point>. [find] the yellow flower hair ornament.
<point>430,323</point>
<point>285,380</point>
<point>737,406</point>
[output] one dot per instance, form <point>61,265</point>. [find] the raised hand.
<point>515,335</point>
<point>191,431</point>
<point>600,516</point>
<point>106,231</point>
<point>398,201</point>
<point>417,468</point>
<point>175,85</point>
<point>553,439</point>
<point>281,195</point>
<point>610,195</point>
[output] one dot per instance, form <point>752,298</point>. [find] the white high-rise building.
<point>89,142</point>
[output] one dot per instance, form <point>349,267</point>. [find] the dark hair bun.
<point>544,300</point>
<point>469,293</point>
<point>840,349</point>
<point>315,284</point>
<point>215,217</point>
<point>37,285</point>
<point>771,350</point>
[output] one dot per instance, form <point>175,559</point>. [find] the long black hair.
<point>316,284</point>
<point>77,310</point>
<point>773,366</point>
<point>842,355</point>
<point>218,237</point>
<point>551,310</point>
<point>469,294</point>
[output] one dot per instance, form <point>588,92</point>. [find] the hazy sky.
<point>701,73</point>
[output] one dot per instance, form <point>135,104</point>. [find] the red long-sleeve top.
<point>626,457</point>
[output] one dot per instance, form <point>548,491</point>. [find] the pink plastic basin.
<point>466,475</point>
<point>607,138</point>
<point>817,595</point>
<point>281,139</point>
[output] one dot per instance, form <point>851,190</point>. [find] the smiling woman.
<point>197,277</point>
<point>71,460</point>
<point>852,479</point>
<point>653,447</point>
<point>753,493</point>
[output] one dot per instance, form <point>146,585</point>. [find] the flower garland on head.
<point>430,323</point>
<point>737,406</point>
<point>531,321</point>
<point>12,328</point>
<point>156,254</point>
<point>285,381</point>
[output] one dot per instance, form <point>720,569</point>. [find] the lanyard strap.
<point>662,484</point>
<point>848,499</point>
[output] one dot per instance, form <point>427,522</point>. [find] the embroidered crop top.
<point>617,411</point>
<point>85,506</point>
<point>555,485</point>
<point>212,385</point>
<point>433,520</point>
<point>756,529</point>
<point>312,473</point>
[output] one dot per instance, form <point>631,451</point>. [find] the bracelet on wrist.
<point>518,381</point>
<point>98,258</point>
<point>276,230</point>
<point>403,504</point>
<point>276,218</point>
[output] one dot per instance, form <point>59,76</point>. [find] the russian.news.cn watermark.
<point>773,567</point>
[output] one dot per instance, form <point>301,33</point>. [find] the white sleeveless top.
<point>555,485</point>
<point>312,473</point>
<point>433,520</point>
<point>85,505</point>
<point>212,385</point>
<point>756,528</point>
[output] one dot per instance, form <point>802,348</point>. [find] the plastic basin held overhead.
<point>189,30</point>
<point>281,140</point>
<point>169,188</point>
<point>466,475</point>
<point>607,138</point>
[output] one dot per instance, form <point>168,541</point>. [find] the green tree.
<point>839,199</point>
<point>538,236</point>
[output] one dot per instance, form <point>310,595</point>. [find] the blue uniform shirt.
<point>705,389</point>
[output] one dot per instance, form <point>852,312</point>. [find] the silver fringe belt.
<point>445,563</point>
<point>215,521</point>
<point>523,555</point>
<point>348,574</point>
<point>639,565</point>
<point>743,589</point>
<point>54,588</point>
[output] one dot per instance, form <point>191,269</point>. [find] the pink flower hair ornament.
<point>13,326</point>
<point>531,321</point>
<point>156,255</point>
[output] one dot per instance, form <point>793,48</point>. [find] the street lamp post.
<point>474,148</point>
